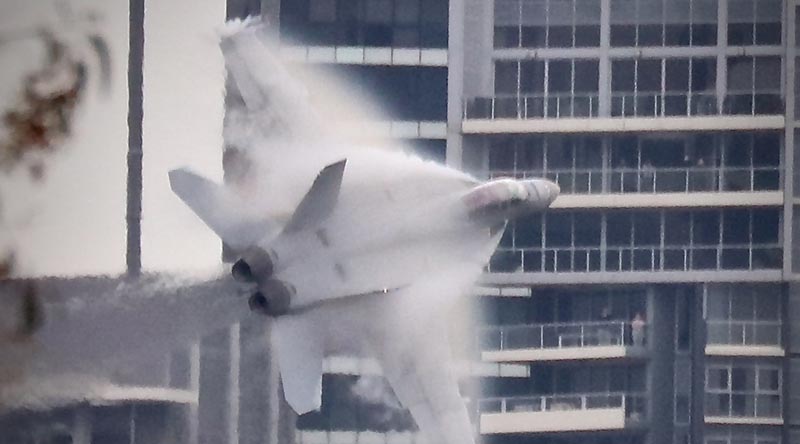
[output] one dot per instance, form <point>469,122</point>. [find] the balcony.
<point>561,413</point>
<point>669,258</point>
<point>559,342</point>
<point>345,365</point>
<point>689,186</point>
<point>366,55</point>
<point>580,112</point>
<point>744,338</point>
<point>743,408</point>
<point>355,437</point>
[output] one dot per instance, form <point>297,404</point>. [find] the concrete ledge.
<point>621,124</point>
<point>670,200</point>
<point>742,420</point>
<point>628,277</point>
<point>563,354</point>
<point>745,350</point>
<point>553,421</point>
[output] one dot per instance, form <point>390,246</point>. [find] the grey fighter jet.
<point>337,285</point>
<point>368,250</point>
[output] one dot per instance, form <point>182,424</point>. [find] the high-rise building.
<point>655,303</point>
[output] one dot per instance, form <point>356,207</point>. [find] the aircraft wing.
<point>417,365</point>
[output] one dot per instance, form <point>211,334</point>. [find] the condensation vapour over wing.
<point>285,122</point>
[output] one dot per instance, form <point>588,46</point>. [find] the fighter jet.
<point>371,253</point>
<point>335,285</point>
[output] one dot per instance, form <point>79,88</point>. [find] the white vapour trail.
<point>288,128</point>
<point>91,324</point>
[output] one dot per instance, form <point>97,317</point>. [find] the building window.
<point>754,86</point>
<point>546,23</point>
<point>409,93</point>
<point>663,23</point>
<point>640,241</point>
<point>754,22</point>
<point>394,23</point>
<point>663,87</point>
<point>739,389</point>
<point>746,315</point>
<point>553,88</point>
<point>730,162</point>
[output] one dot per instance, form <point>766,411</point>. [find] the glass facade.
<point>664,56</point>
<point>744,315</point>
<point>407,93</point>
<point>652,240</point>
<point>383,23</point>
<point>743,389</point>
<point>684,61</point>
<point>643,163</point>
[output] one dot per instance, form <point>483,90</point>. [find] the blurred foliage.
<point>41,118</point>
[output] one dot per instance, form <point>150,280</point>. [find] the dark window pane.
<point>766,225</point>
<point>676,228</point>
<point>704,35</point>
<point>649,75</point>
<point>587,36</point>
<point>706,228</point>
<point>650,35</point>
<point>704,74</point>
<point>647,229</point>
<point>740,34</point>
<point>736,227</point>
<point>560,76</point>
<point>506,37</point>
<point>623,35</point>
<point>528,232</point>
<point>677,35</point>
<point>587,230</point>
<point>586,75</point>
<point>534,36</point>
<point>505,77</point>
<point>623,75</point>
<point>559,230</point>
<point>676,72</point>
<point>531,76</point>
<point>619,229</point>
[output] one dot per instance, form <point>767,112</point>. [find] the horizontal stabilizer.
<point>220,209</point>
<point>320,200</point>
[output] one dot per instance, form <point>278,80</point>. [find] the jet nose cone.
<point>553,190</point>
<point>543,192</point>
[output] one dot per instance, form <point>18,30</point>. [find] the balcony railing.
<point>638,258</point>
<point>656,180</point>
<point>557,335</point>
<point>623,104</point>
<point>744,333</point>
<point>741,406</point>
<point>634,404</point>
<point>536,106</point>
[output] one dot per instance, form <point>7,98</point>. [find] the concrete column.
<point>604,68</point>
<point>233,384</point>
<point>698,359</point>
<point>82,426</point>
<point>722,41</point>
<point>455,83</point>
<point>192,411</point>
<point>789,135</point>
<point>661,344</point>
